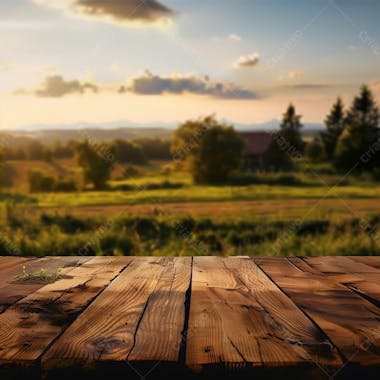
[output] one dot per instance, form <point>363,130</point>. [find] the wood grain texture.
<point>373,261</point>
<point>29,326</point>
<point>106,331</point>
<point>12,290</point>
<point>351,322</point>
<point>123,316</point>
<point>363,279</point>
<point>159,335</point>
<point>7,262</point>
<point>238,316</point>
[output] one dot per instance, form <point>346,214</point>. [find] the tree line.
<point>351,140</point>
<point>137,151</point>
<point>213,151</point>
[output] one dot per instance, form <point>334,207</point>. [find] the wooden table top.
<point>191,317</point>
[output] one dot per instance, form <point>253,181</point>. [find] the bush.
<point>315,151</point>
<point>67,224</point>
<point>184,226</point>
<point>39,182</point>
<point>146,228</point>
<point>114,245</point>
<point>154,148</point>
<point>313,227</point>
<point>65,186</point>
<point>212,241</point>
<point>267,179</point>
<point>7,175</point>
<point>131,171</point>
<point>128,152</point>
<point>164,185</point>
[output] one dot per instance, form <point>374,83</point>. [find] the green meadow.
<point>308,212</point>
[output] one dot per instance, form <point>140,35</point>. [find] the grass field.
<point>309,212</point>
<point>202,193</point>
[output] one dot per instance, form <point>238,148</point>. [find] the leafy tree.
<point>290,129</point>
<point>127,152</point>
<point>35,150</point>
<point>97,166</point>
<point>154,148</point>
<point>211,150</point>
<point>335,123</point>
<point>359,146</point>
<point>59,151</point>
<point>187,138</point>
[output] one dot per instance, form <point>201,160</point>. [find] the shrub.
<point>266,179</point>
<point>313,227</point>
<point>65,186</point>
<point>131,171</point>
<point>68,223</point>
<point>146,228</point>
<point>114,245</point>
<point>39,182</point>
<point>212,241</point>
<point>315,151</point>
<point>163,185</point>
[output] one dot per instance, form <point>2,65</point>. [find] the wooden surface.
<point>200,317</point>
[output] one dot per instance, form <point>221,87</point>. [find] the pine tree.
<point>335,123</point>
<point>290,129</point>
<point>359,145</point>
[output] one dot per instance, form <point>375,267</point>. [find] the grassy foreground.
<point>308,229</point>
<point>301,213</point>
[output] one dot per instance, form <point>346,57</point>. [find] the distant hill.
<point>51,135</point>
<point>74,132</point>
<point>309,129</point>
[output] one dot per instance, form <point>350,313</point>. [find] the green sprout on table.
<point>41,276</point>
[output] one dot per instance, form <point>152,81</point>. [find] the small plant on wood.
<point>41,276</point>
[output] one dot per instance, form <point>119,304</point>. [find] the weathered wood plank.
<point>106,331</point>
<point>287,321</point>
<point>357,276</point>
<point>159,335</point>
<point>12,290</point>
<point>351,322</point>
<point>284,313</point>
<point>9,261</point>
<point>29,326</point>
<point>373,261</point>
<point>238,316</point>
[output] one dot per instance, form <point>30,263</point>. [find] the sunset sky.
<point>97,61</point>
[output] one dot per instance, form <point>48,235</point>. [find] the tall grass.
<point>52,234</point>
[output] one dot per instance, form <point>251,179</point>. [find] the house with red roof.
<point>257,150</point>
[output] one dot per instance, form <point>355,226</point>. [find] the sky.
<point>164,61</point>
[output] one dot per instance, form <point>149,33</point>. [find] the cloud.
<point>117,11</point>
<point>150,84</point>
<point>306,86</point>
<point>56,87</point>
<point>234,37</point>
<point>247,61</point>
<point>291,75</point>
